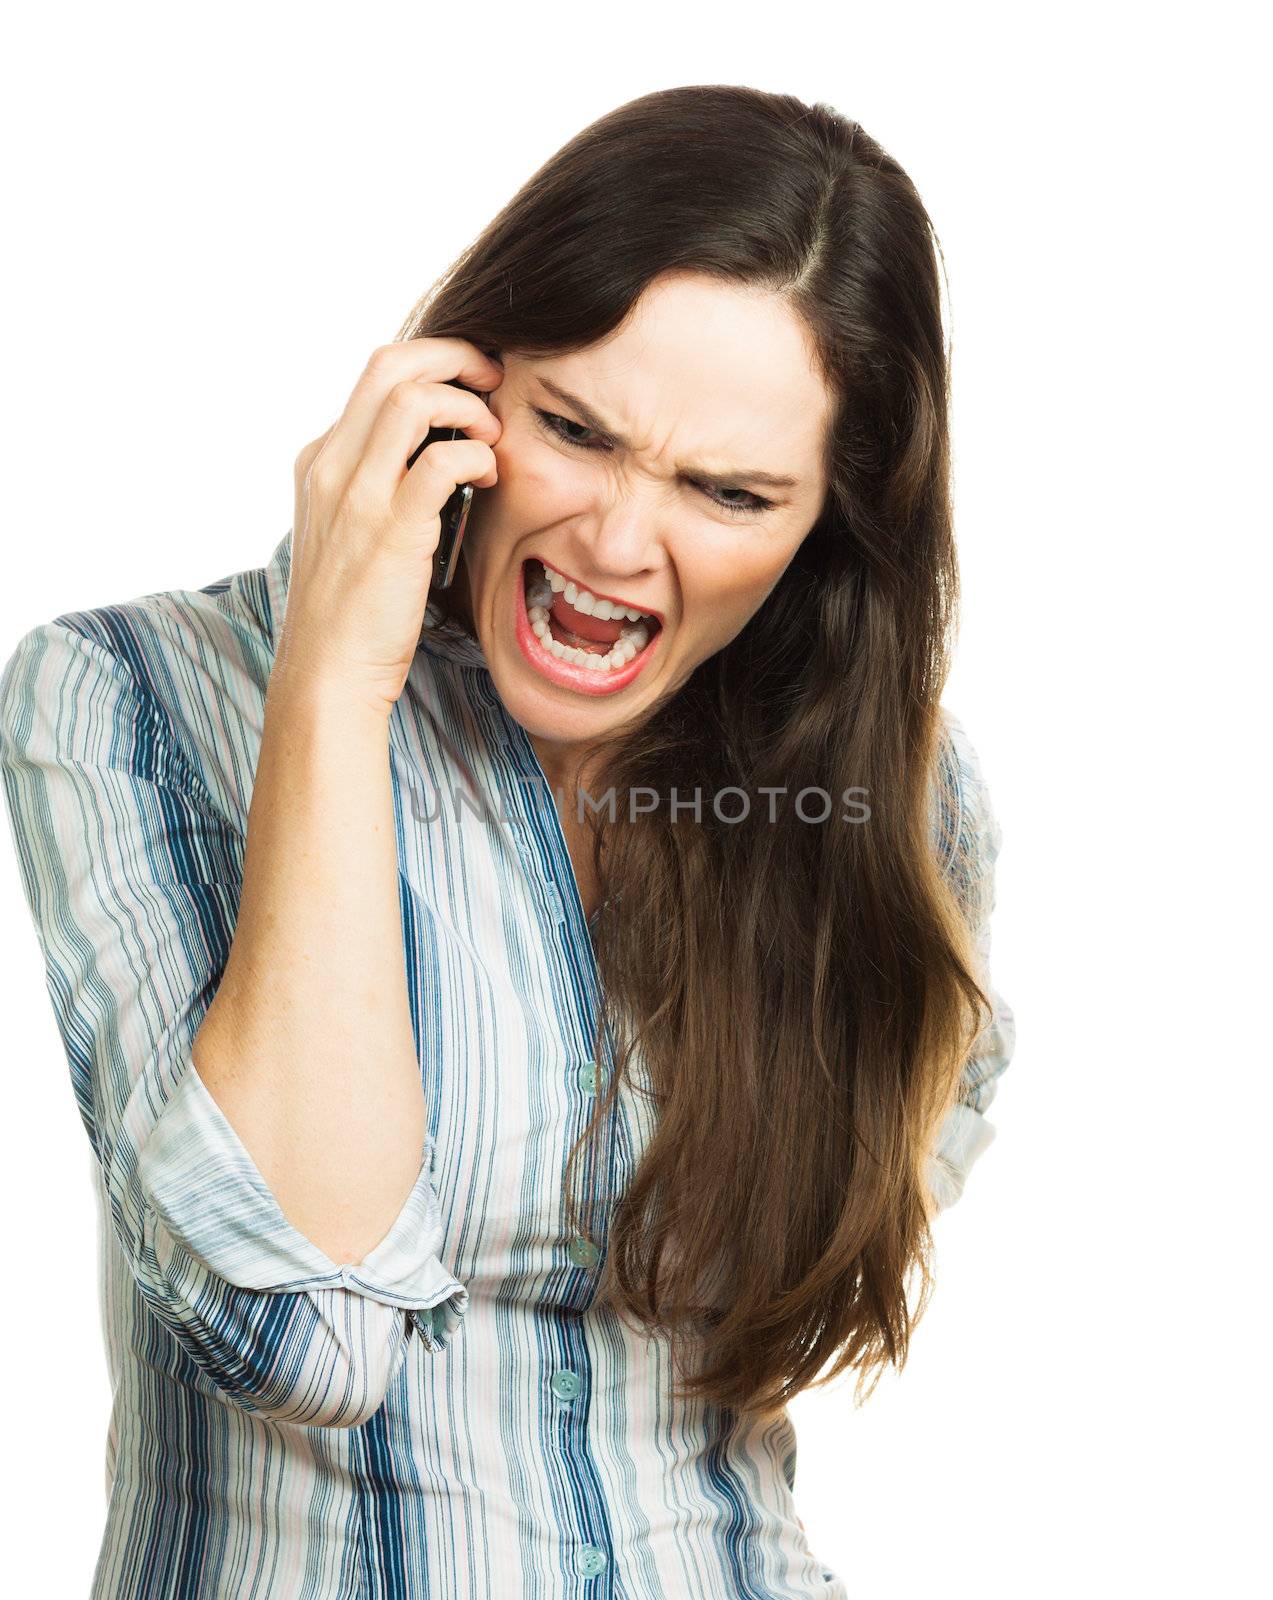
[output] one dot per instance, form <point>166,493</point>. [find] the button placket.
<point>534,870</point>
<point>538,849</point>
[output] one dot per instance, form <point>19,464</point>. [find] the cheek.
<point>723,597</point>
<point>529,481</point>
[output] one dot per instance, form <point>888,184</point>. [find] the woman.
<point>487,1164</point>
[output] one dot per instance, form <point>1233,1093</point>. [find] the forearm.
<point>307,1046</point>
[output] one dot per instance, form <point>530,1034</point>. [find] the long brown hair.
<point>798,999</point>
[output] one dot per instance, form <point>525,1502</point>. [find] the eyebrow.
<point>720,480</point>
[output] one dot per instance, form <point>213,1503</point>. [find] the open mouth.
<point>579,629</point>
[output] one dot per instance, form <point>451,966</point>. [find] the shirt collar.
<point>449,643</point>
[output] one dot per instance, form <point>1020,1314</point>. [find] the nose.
<point>625,542</point>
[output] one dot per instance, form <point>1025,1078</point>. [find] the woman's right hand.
<point>365,529</point>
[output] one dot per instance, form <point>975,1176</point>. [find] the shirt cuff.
<point>964,1137</point>
<point>211,1197</point>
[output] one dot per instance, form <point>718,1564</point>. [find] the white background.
<point>215,214</point>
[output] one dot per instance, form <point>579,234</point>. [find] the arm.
<point>133,881</point>
<point>973,840</point>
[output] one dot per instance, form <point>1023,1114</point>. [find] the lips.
<point>596,681</point>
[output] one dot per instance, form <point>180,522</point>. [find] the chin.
<point>554,715</point>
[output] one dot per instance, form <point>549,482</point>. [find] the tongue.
<point>602,629</point>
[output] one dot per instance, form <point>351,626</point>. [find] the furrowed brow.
<point>720,480</point>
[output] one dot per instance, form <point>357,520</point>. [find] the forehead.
<point>711,373</point>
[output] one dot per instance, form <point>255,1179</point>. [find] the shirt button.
<point>591,1560</point>
<point>584,1253</point>
<point>566,1385</point>
<point>588,1077</point>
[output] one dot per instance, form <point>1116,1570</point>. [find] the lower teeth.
<point>633,637</point>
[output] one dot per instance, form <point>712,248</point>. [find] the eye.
<point>555,426</point>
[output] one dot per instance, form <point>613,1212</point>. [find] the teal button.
<point>584,1253</point>
<point>591,1560</point>
<point>566,1385</point>
<point>588,1077</point>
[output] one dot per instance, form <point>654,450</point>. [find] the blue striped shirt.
<point>451,1415</point>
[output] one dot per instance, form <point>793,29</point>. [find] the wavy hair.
<point>796,1000</point>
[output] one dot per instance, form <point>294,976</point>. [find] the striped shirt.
<point>452,1415</point>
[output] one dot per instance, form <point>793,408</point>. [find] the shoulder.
<point>176,677</point>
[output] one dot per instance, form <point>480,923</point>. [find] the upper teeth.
<point>583,600</point>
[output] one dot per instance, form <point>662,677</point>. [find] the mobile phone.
<point>454,515</point>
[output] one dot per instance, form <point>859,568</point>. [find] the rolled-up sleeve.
<point>970,839</point>
<point>132,876</point>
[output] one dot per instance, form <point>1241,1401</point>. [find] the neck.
<point>560,766</point>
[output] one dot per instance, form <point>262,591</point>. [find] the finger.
<point>436,360</point>
<point>410,409</point>
<point>433,480</point>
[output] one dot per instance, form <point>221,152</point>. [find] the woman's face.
<point>708,387</point>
